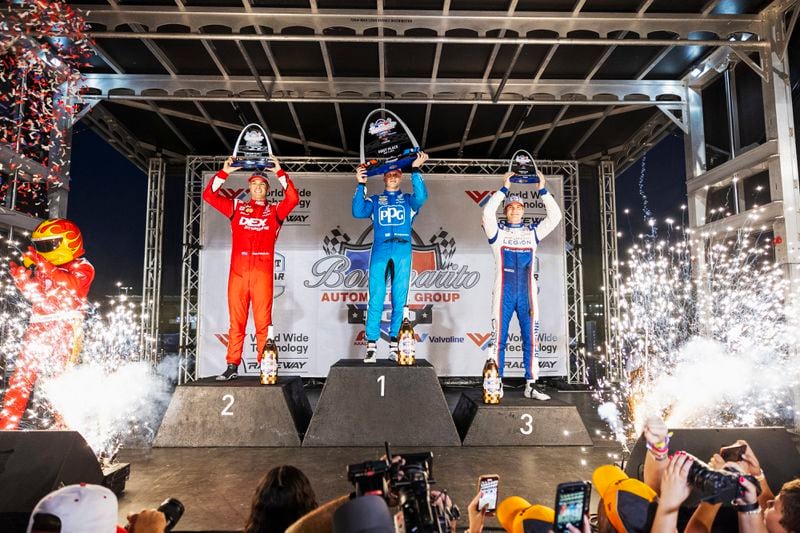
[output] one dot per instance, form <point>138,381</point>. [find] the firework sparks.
<point>705,344</point>
<point>109,397</point>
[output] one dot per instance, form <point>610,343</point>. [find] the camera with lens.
<point>172,508</point>
<point>718,486</point>
<point>405,483</point>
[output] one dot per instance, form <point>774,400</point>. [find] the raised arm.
<point>290,196</point>
<point>420,191</point>
<point>211,192</point>
<point>490,209</point>
<point>553,213</point>
<point>362,206</point>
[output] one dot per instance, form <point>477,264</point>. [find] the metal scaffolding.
<point>190,278</point>
<point>153,244</point>
<point>615,369</point>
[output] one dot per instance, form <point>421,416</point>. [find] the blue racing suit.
<point>392,214</point>
<point>514,248</point>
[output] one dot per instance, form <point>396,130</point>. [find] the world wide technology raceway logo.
<point>342,276</point>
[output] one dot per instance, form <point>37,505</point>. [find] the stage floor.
<point>216,484</point>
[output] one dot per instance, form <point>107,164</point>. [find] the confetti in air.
<point>705,343</point>
<point>42,47</point>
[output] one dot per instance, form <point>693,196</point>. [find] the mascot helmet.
<point>58,240</point>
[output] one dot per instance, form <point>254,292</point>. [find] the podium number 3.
<point>226,411</point>
<point>382,381</point>
<point>527,429</point>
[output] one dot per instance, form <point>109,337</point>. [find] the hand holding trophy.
<point>387,144</point>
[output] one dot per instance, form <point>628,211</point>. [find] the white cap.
<point>81,508</point>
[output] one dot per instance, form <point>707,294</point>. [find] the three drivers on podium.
<point>256,223</point>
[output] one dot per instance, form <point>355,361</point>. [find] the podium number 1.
<point>382,381</point>
<point>226,411</point>
<point>527,429</point>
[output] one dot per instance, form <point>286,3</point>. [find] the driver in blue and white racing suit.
<point>392,213</point>
<point>514,247</point>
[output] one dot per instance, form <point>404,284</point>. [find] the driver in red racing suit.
<point>55,279</point>
<point>255,225</point>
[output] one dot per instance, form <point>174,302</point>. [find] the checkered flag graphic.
<point>447,246</point>
<point>334,241</point>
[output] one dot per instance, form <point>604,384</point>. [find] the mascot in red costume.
<point>55,280</point>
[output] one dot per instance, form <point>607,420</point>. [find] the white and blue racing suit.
<point>514,248</point>
<point>392,213</point>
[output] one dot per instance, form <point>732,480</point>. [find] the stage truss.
<point>190,277</point>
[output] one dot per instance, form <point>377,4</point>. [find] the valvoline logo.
<point>479,197</point>
<point>481,339</point>
<point>392,215</point>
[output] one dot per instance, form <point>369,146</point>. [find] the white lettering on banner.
<point>319,319</point>
<point>333,271</point>
<point>392,215</point>
<point>257,224</point>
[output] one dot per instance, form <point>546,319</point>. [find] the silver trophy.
<point>252,151</point>
<point>524,168</point>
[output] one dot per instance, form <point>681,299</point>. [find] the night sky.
<point>108,201</point>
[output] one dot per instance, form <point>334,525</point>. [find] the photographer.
<point>781,515</point>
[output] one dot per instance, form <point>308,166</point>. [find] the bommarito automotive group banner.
<point>321,279</point>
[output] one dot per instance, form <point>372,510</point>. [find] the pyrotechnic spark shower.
<point>706,343</point>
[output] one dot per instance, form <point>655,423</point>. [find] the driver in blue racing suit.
<point>392,214</point>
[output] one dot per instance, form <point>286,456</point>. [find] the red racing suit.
<point>57,295</point>
<point>255,227</point>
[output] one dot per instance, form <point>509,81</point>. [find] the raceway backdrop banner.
<point>321,279</point>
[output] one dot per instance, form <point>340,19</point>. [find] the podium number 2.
<point>382,381</point>
<point>226,411</point>
<point>527,429</point>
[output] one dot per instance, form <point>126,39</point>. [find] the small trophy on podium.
<point>269,361</point>
<point>252,150</point>
<point>524,168</point>
<point>492,382</point>
<point>386,143</point>
<point>406,342</point>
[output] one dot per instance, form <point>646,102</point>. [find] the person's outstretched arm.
<point>211,192</point>
<point>290,196</point>
<point>362,206</point>
<point>420,195</point>
<point>553,212</point>
<point>490,209</point>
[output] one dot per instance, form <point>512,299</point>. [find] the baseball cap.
<point>257,176</point>
<point>513,199</point>
<point>630,505</point>
<point>80,509</point>
<point>517,515</point>
<point>364,514</point>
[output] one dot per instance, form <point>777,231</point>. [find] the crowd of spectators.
<point>285,501</point>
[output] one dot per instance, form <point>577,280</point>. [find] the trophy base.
<point>402,162</point>
<point>253,164</point>
<point>524,179</point>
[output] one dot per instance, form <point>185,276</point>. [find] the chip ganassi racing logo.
<point>343,276</point>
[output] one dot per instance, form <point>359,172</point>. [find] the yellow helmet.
<point>58,240</point>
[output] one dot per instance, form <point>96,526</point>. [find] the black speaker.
<point>33,464</point>
<point>776,449</point>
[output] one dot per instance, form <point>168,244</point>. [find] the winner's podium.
<point>518,421</point>
<point>367,404</point>
<point>241,412</point>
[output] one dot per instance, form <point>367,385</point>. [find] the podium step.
<point>518,421</point>
<point>367,404</point>
<point>242,412</point>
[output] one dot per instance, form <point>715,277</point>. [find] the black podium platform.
<point>241,412</point>
<point>518,421</point>
<point>367,404</point>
